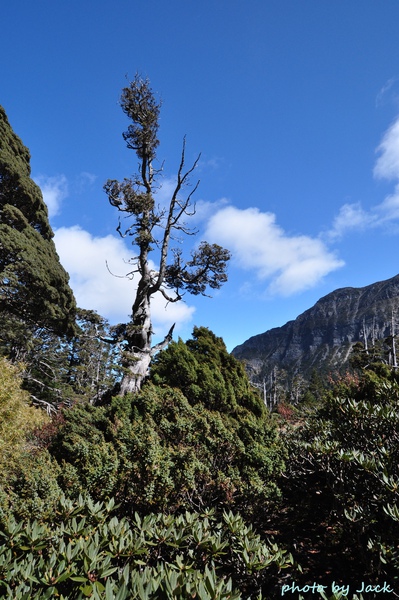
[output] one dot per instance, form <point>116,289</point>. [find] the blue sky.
<point>294,105</point>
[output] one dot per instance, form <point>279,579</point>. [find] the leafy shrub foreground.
<point>88,553</point>
<point>155,452</point>
<point>342,481</point>
<point>204,439</point>
<point>196,435</point>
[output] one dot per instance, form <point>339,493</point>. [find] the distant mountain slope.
<point>322,336</point>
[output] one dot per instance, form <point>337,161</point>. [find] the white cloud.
<point>291,263</point>
<point>389,209</point>
<point>83,181</point>
<point>87,178</point>
<point>85,257</point>
<point>54,190</point>
<point>351,217</point>
<point>204,209</point>
<point>166,187</point>
<point>387,165</point>
<point>384,91</point>
<point>213,163</point>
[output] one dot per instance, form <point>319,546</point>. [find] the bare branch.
<point>136,196</point>
<point>168,338</point>
<point>168,298</point>
<point>50,408</point>
<point>173,218</point>
<point>129,275</point>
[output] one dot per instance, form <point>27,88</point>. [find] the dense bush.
<point>205,372</point>
<point>167,450</point>
<point>28,485</point>
<point>155,451</point>
<point>17,418</point>
<point>164,450</point>
<point>87,552</point>
<point>343,474</point>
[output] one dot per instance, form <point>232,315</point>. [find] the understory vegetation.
<point>341,484</point>
<point>163,493</point>
<point>191,488</point>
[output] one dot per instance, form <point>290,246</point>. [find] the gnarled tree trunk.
<point>137,357</point>
<point>135,198</point>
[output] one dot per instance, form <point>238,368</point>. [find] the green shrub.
<point>18,418</point>
<point>205,372</point>
<point>28,484</point>
<point>172,448</point>
<point>33,491</point>
<point>87,552</point>
<point>155,451</point>
<point>344,465</point>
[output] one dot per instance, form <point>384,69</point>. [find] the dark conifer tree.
<point>34,289</point>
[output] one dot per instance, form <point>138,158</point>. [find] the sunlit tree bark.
<point>136,198</point>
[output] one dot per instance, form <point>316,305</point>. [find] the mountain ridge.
<point>322,336</point>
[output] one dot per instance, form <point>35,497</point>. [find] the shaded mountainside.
<point>322,337</point>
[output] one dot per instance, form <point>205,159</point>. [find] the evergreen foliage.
<point>93,362</point>
<point>205,372</point>
<point>33,491</point>
<point>58,371</point>
<point>87,552</point>
<point>34,289</point>
<point>28,485</point>
<point>343,476</point>
<point>163,450</point>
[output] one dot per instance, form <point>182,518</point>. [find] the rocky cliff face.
<point>322,337</point>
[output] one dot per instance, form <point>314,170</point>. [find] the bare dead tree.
<point>136,198</point>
